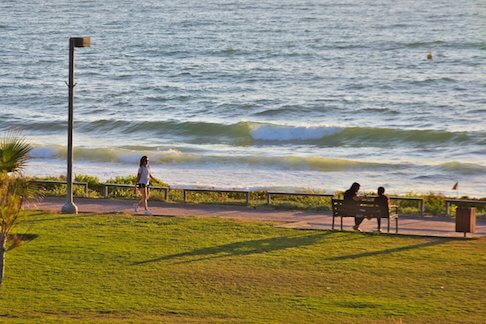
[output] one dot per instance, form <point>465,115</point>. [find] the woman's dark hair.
<point>381,190</point>
<point>355,187</point>
<point>143,160</point>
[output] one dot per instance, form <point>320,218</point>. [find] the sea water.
<point>293,95</point>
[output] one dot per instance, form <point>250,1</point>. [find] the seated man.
<point>383,202</point>
<point>352,203</point>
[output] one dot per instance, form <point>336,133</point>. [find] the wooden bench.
<point>462,202</point>
<point>419,200</point>
<point>245,192</point>
<point>367,209</point>
<point>271,193</point>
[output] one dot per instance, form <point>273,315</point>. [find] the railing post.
<point>86,188</point>
<point>166,191</point>
<point>247,198</point>
<point>268,198</point>
<point>447,208</point>
<point>184,195</point>
<point>422,207</point>
<point>106,191</point>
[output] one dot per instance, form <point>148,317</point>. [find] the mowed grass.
<point>123,268</point>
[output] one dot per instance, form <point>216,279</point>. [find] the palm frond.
<point>14,153</point>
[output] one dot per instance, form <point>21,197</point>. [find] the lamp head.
<point>81,41</point>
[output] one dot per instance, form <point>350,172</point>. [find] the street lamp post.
<point>69,207</point>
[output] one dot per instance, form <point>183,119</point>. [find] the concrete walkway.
<point>423,226</point>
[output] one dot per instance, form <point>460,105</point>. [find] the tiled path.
<point>426,226</point>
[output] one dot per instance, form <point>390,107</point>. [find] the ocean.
<point>267,94</point>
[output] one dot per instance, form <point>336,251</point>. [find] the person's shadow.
<point>433,242</point>
<point>241,248</point>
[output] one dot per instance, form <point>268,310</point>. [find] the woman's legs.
<point>143,200</point>
<point>147,190</point>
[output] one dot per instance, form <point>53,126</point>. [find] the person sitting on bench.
<point>384,204</point>
<point>352,203</point>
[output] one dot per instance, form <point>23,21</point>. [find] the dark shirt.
<point>349,199</point>
<point>382,201</point>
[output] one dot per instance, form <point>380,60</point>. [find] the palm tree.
<point>14,152</point>
<point>13,190</point>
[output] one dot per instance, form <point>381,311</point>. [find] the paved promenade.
<point>424,226</point>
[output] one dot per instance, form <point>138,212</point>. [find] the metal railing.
<point>271,193</point>
<point>419,200</point>
<point>107,186</point>
<point>54,182</point>
<point>459,202</point>
<point>245,192</point>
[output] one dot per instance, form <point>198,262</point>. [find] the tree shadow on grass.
<point>242,248</point>
<point>37,219</point>
<point>390,251</point>
<point>16,240</point>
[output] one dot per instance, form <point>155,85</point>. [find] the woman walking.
<point>143,176</point>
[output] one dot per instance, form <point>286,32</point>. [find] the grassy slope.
<point>187,269</point>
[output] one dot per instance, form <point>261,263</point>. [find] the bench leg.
<point>388,230</point>
<point>396,225</point>
<point>332,223</point>
<point>341,223</point>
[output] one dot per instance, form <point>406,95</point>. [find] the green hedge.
<point>434,203</point>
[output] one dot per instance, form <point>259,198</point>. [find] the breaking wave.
<point>177,157</point>
<point>246,132</point>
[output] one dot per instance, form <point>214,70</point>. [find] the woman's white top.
<point>144,173</point>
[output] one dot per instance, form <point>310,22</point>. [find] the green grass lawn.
<point>109,268</point>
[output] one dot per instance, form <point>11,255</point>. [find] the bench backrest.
<point>371,207</point>
<point>339,208</point>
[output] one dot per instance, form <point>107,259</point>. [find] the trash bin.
<point>466,219</point>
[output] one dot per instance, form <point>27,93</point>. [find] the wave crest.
<point>267,132</point>
<point>463,168</point>
<point>175,156</point>
<point>246,132</point>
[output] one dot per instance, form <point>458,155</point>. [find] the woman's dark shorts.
<point>142,185</point>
